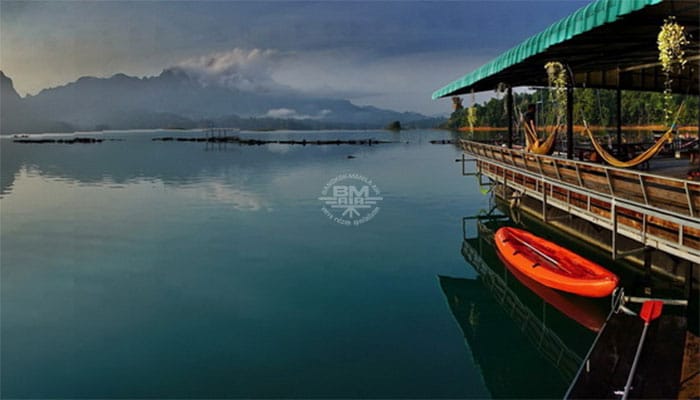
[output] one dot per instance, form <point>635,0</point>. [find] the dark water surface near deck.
<point>135,268</point>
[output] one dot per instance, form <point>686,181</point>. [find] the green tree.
<point>598,106</point>
<point>585,107</point>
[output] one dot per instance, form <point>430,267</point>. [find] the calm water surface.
<point>134,268</point>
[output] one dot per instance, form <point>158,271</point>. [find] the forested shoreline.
<point>597,107</point>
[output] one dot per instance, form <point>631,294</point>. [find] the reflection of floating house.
<point>531,323</point>
<point>510,330</point>
<point>506,355</point>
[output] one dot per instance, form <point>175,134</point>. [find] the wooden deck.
<point>654,210</point>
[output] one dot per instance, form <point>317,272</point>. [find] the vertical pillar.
<point>688,280</point>
<point>647,270</point>
<point>544,201</point>
<point>613,239</point>
<point>570,122</point>
<point>509,100</point>
<point>618,111</point>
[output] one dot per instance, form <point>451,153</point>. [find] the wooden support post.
<point>570,122</point>
<point>688,280</point>
<point>618,104</point>
<point>509,101</point>
<point>544,201</point>
<point>647,260</point>
<point>647,270</point>
<point>613,239</point>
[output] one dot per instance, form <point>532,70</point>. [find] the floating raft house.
<point>608,44</point>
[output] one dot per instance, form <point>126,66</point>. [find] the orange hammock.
<point>640,158</point>
<point>533,143</point>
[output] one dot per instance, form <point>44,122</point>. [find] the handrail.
<point>654,209</point>
<point>631,205</point>
<point>682,187</point>
<point>572,162</point>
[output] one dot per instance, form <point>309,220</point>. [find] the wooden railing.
<point>657,211</point>
<point>678,196</point>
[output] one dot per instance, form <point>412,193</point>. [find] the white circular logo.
<point>350,199</point>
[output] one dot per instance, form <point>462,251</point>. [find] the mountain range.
<point>176,99</point>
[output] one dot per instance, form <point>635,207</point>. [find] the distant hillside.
<point>175,99</point>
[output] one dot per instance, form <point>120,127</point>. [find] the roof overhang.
<point>608,43</point>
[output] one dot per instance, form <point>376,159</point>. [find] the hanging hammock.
<point>530,139</point>
<point>547,147</point>
<point>640,158</point>
<point>533,143</point>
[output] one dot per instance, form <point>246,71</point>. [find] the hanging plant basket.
<point>671,42</point>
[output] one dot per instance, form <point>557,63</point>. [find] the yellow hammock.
<point>533,143</point>
<point>640,158</point>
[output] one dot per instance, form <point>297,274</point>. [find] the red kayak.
<point>574,307</point>
<point>553,265</point>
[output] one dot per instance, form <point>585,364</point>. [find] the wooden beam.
<point>618,103</point>
<point>570,122</point>
<point>509,101</point>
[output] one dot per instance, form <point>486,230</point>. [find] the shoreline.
<point>579,128</point>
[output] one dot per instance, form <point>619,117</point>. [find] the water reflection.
<point>137,270</point>
<point>515,326</point>
<point>126,157</point>
<point>139,159</point>
<point>576,308</point>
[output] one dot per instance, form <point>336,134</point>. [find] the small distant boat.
<point>552,265</point>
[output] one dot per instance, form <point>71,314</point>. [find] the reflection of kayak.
<point>577,309</point>
<point>553,265</point>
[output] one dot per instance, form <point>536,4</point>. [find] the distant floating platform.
<point>82,140</point>
<point>258,142</point>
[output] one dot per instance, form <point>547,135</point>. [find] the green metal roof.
<point>592,16</point>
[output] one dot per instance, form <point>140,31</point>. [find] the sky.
<point>387,54</point>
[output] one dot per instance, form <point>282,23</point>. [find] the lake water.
<point>135,269</point>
